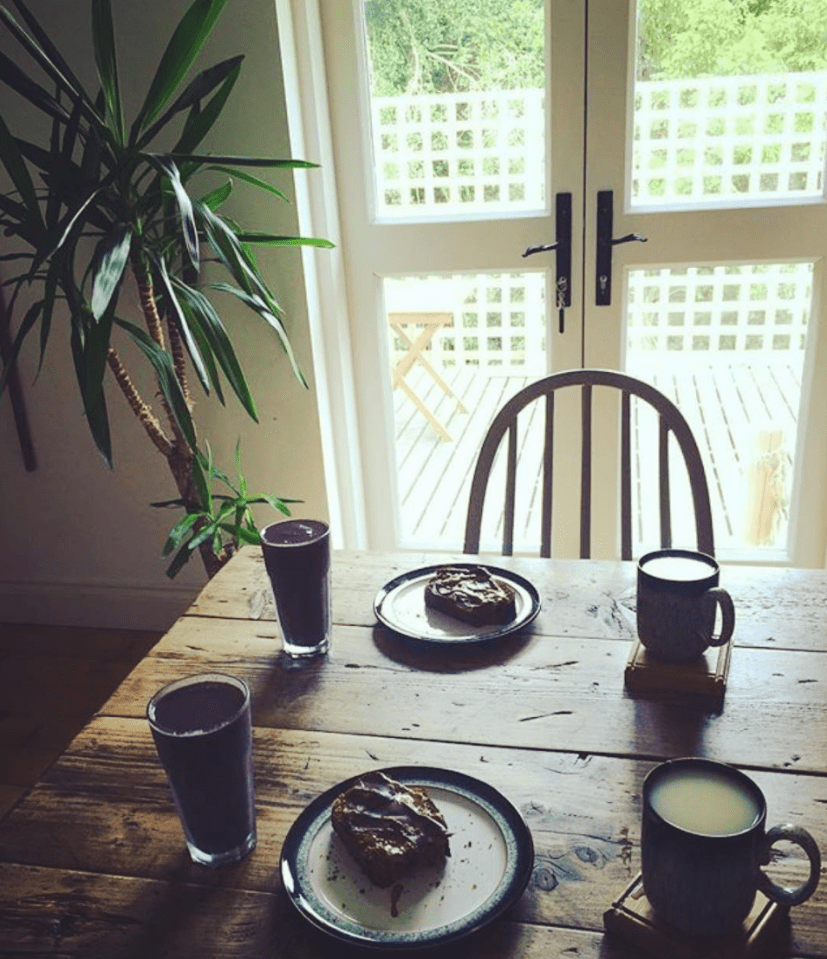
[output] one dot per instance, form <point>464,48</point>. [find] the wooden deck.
<point>743,418</point>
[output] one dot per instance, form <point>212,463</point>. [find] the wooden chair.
<point>670,420</point>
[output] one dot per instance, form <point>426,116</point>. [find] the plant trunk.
<point>175,449</point>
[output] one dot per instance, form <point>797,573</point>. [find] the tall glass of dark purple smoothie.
<point>297,557</point>
<point>202,731</point>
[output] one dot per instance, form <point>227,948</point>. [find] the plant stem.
<point>179,359</point>
<point>155,328</point>
<point>141,409</point>
<point>177,452</point>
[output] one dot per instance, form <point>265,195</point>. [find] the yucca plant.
<point>96,202</point>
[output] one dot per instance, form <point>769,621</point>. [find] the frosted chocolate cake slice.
<point>471,594</point>
<point>390,829</point>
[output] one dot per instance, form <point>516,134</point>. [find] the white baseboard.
<point>108,606</point>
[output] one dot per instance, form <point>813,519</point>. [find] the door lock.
<point>605,242</point>
<point>562,286</point>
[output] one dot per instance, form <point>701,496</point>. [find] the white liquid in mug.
<point>678,568</point>
<point>704,801</point>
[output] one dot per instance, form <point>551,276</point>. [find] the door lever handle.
<point>605,242</point>
<point>540,248</point>
<point>630,238</point>
<point>563,247</point>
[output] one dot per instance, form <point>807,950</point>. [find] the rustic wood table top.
<point>93,863</point>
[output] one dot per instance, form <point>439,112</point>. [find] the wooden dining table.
<point>93,862</point>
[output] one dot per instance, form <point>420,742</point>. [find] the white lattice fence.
<point>714,139</point>
<point>459,153</point>
<point>498,321</point>
<point>702,312</point>
<point>707,140</point>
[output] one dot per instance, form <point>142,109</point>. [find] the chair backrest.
<point>670,420</point>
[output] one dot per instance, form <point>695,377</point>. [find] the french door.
<point>441,195</point>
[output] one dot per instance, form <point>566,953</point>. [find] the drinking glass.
<point>297,557</point>
<point>202,731</point>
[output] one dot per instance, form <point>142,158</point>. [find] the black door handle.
<point>603,267</point>
<point>562,232</point>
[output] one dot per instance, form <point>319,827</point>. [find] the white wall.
<point>80,544</point>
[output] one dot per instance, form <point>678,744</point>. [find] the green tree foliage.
<point>679,39</point>
<point>447,46</point>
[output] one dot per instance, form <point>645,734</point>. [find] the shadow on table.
<point>448,657</point>
<point>669,726</point>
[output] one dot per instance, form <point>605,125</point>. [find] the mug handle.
<point>724,600</point>
<point>779,894</point>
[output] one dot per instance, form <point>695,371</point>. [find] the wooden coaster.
<point>632,919</point>
<point>705,676</point>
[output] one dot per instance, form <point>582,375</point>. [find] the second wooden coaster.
<point>632,919</point>
<point>705,676</point>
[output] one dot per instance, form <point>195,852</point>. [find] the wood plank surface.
<point>583,813</point>
<point>775,608</point>
<point>56,913</point>
<point>533,692</point>
<point>92,859</point>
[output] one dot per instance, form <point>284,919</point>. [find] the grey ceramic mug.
<point>703,841</point>
<point>677,599</point>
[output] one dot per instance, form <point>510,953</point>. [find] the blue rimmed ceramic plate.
<point>492,857</point>
<point>400,605</point>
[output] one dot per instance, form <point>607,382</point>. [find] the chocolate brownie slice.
<point>471,593</point>
<point>389,828</point>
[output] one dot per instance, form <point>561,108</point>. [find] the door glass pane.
<point>730,101</point>
<point>727,345</point>
<point>460,346</point>
<point>457,93</point>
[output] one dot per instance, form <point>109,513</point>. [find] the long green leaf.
<point>97,419</point>
<point>53,201</point>
<point>68,80</point>
<point>200,119</point>
<point>112,255</point>
<point>202,483</point>
<point>215,333</point>
<point>188,226</point>
<point>16,221</point>
<point>203,535</point>
<point>167,380</point>
<point>103,42</point>
<point>202,86</point>
<point>179,531</point>
<point>225,244</point>
<point>204,348</point>
<point>277,502</point>
<point>14,77</point>
<point>95,350</point>
<point>94,406</point>
<point>74,218</point>
<point>250,537</point>
<point>217,197</point>
<point>183,48</point>
<point>249,178</point>
<point>270,239</point>
<point>49,295</point>
<point>269,163</point>
<point>16,166</point>
<point>64,179</point>
<point>254,290</point>
<point>181,559</point>
<point>183,327</point>
<point>257,304</point>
